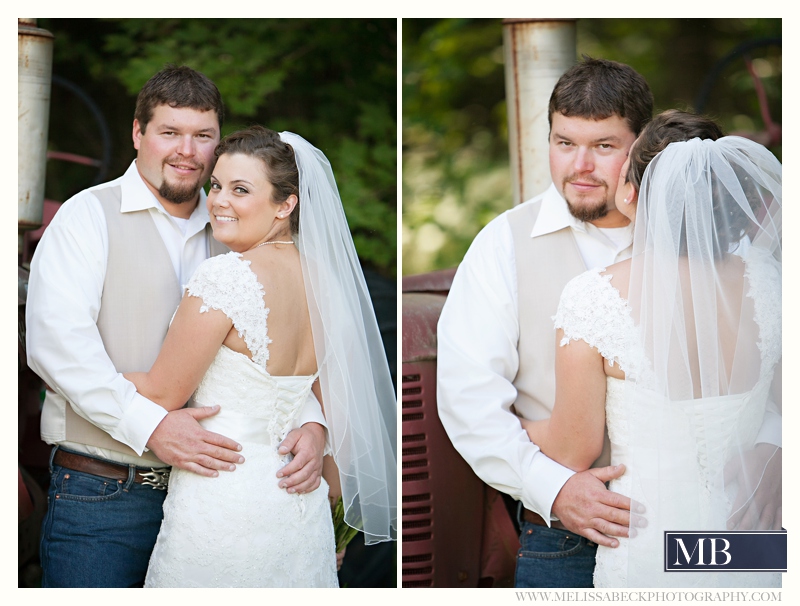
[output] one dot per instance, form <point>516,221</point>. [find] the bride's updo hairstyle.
<point>667,127</point>
<point>731,221</point>
<point>278,158</point>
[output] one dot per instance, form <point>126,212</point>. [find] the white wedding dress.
<point>240,529</point>
<point>682,490</point>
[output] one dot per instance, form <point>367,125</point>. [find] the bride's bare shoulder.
<point>620,275</point>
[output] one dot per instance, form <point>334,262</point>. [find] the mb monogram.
<point>698,548</point>
<point>725,551</point>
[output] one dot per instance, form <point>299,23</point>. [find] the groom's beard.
<point>181,191</point>
<point>583,207</point>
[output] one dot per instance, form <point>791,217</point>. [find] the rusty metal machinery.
<point>456,530</point>
<point>537,52</point>
<point>35,75</point>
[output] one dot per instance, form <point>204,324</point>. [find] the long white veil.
<point>357,391</point>
<point>705,292</point>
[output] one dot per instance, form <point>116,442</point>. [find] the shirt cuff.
<point>142,416</point>
<point>548,478</point>
<point>312,413</point>
<point>770,432</point>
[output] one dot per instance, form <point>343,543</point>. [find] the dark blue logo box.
<point>735,551</point>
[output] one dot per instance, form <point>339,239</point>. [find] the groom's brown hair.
<point>178,87</point>
<point>596,89</point>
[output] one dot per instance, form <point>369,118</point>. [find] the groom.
<point>105,280</point>
<point>496,351</point>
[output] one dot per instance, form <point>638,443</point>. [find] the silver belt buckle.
<point>157,478</point>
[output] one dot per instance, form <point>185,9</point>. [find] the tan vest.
<point>140,295</point>
<point>544,266</point>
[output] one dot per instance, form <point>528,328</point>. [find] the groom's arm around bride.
<point>496,339</point>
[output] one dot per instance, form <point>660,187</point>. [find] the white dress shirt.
<point>65,288</point>
<point>477,360</point>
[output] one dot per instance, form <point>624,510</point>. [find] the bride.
<point>678,349</point>
<point>287,311</point>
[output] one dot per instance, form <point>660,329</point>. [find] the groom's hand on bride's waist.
<point>302,474</point>
<point>586,507</point>
<point>180,441</point>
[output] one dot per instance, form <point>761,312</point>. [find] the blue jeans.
<point>549,557</point>
<point>98,532</point>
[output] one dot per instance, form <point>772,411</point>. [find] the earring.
<point>625,200</point>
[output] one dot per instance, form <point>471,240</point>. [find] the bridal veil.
<point>357,391</point>
<point>705,294</point>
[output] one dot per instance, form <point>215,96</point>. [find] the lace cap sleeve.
<point>227,284</point>
<point>592,310</point>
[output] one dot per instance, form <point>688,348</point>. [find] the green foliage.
<point>455,141</point>
<point>369,163</point>
<point>342,531</point>
<point>333,81</point>
<point>455,153</point>
<point>677,55</point>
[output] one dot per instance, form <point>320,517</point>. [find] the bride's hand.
<point>303,472</point>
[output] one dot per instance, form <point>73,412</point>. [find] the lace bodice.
<point>227,283</point>
<point>267,405</point>
<point>592,310</point>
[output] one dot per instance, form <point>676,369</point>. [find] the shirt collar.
<point>554,215</point>
<point>136,196</point>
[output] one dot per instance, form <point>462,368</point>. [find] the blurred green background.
<point>333,81</point>
<point>455,134</point>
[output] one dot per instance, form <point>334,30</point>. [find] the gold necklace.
<point>275,242</point>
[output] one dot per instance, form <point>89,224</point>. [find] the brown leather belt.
<point>158,478</point>
<point>535,518</point>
